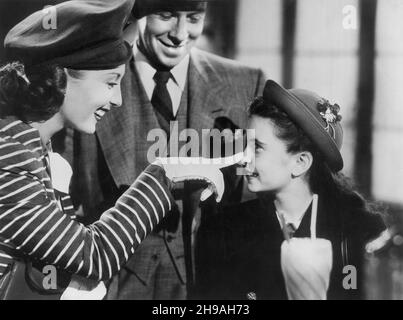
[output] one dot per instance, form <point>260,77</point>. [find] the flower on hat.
<point>329,112</point>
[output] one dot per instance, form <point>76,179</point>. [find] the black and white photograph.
<point>201,151</point>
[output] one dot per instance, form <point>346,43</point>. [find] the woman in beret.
<point>56,78</point>
<point>296,159</point>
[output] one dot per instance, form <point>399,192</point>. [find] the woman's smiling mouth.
<point>100,112</point>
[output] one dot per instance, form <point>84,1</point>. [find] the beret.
<point>87,35</point>
<point>314,115</point>
<point>145,7</point>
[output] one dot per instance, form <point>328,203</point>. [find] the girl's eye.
<point>258,149</point>
<point>111,85</point>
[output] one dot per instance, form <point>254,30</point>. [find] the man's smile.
<point>171,45</point>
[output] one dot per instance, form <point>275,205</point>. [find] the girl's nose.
<point>247,162</point>
<point>248,155</point>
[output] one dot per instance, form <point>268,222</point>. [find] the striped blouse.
<point>33,224</point>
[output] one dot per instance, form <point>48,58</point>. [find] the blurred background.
<point>349,51</point>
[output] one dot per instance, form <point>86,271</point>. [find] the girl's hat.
<point>314,115</point>
<point>84,35</point>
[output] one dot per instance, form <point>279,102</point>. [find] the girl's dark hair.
<point>32,94</point>
<point>320,176</point>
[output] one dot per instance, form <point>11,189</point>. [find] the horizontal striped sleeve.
<point>27,132</point>
<point>5,262</point>
<point>10,125</point>
<point>32,222</point>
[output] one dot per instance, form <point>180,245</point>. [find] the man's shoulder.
<point>218,62</point>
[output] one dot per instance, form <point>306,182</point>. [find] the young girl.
<point>295,155</point>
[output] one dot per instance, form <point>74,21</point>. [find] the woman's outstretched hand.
<point>179,169</point>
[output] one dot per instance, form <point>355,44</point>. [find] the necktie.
<point>161,100</point>
<point>162,103</point>
<point>289,229</point>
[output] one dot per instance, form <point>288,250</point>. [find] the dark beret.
<point>86,35</point>
<point>145,7</point>
<point>314,115</point>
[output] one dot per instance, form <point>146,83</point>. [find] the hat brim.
<point>309,123</point>
<point>145,8</point>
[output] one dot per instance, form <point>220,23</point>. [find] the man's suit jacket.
<point>217,87</point>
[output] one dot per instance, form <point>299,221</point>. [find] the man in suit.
<point>168,81</point>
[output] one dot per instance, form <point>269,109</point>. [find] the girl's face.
<point>89,96</point>
<point>270,165</point>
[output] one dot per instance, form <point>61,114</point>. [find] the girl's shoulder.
<point>364,221</point>
<point>245,216</point>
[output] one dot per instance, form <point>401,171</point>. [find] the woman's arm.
<point>33,223</point>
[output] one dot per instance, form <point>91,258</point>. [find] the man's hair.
<point>143,8</point>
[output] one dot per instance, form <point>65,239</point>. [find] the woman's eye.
<point>258,147</point>
<point>111,85</point>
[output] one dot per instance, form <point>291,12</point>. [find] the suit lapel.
<point>126,126</point>
<point>121,128</point>
<point>206,101</point>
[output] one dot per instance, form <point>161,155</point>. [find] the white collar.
<point>294,221</point>
<point>179,72</point>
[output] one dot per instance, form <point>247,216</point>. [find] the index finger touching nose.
<point>231,160</point>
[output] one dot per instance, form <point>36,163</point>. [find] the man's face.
<point>167,37</point>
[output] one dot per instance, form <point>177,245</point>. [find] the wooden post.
<point>365,105</point>
<point>289,12</point>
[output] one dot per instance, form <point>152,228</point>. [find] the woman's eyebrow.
<point>117,75</point>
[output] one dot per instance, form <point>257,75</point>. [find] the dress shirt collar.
<point>296,222</point>
<point>147,71</point>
